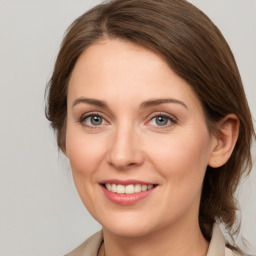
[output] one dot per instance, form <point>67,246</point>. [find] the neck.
<point>175,240</point>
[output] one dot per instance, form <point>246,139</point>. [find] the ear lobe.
<point>225,138</point>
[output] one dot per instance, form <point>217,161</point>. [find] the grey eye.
<point>93,120</point>
<point>96,120</point>
<point>162,120</point>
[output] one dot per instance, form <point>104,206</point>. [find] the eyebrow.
<point>90,101</point>
<point>155,102</point>
<point>145,104</point>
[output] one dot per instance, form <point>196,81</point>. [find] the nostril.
<point>124,154</point>
<point>131,164</point>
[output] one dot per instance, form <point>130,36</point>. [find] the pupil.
<point>161,120</point>
<point>96,120</point>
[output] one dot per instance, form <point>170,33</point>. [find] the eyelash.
<point>170,118</point>
<point>173,120</point>
<point>91,114</point>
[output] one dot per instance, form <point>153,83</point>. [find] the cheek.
<point>182,158</point>
<point>182,162</point>
<point>84,152</point>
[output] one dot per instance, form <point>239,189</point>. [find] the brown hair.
<point>196,50</point>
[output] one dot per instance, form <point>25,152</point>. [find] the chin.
<point>128,226</point>
<point>128,230</point>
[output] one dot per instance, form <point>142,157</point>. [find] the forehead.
<point>115,69</point>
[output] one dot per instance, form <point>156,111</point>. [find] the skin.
<point>130,144</point>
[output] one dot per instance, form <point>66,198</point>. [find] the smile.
<point>127,192</point>
<point>128,189</point>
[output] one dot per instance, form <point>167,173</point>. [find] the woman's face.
<point>132,123</point>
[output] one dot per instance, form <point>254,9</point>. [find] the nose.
<point>125,151</point>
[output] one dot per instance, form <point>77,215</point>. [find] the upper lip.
<point>126,182</point>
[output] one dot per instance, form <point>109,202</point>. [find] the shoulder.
<point>90,247</point>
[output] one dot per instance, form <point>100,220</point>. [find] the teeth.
<point>144,188</point>
<point>150,186</point>
<point>113,188</point>
<point>109,187</point>
<point>120,189</point>
<point>129,189</point>
<point>137,188</point>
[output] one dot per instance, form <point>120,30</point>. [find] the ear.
<point>224,140</point>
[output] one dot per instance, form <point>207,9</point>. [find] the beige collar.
<point>217,243</point>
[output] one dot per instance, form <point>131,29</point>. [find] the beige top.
<point>92,245</point>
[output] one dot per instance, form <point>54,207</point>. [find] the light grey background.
<point>40,211</point>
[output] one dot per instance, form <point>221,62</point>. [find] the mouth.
<point>127,192</point>
<point>127,189</point>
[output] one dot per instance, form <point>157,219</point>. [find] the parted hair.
<point>196,50</point>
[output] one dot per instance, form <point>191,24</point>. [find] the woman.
<point>149,108</point>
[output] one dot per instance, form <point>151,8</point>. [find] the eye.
<point>162,120</point>
<point>93,120</point>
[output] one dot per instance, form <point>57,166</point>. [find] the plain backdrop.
<point>40,211</point>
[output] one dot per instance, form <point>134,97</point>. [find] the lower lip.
<point>126,199</point>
